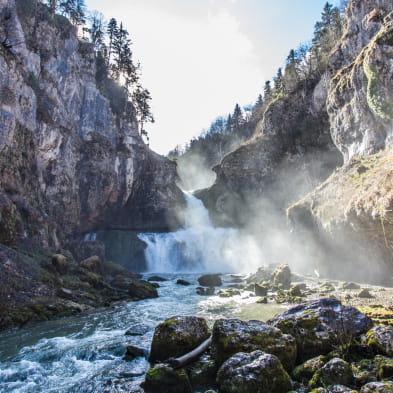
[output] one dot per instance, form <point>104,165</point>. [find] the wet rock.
<point>233,335</point>
<point>93,264</point>
<point>176,336</point>
<point>384,366</point>
<point>182,282</point>
<point>306,370</point>
<point>282,275</point>
<point>264,273</point>
<point>350,285</point>
<point>255,372</point>
<point>334,372</point>
<point>133,352</point>
<point>260,290</point>
<point>157,278</point>
<point>210,291</point>
<point>210,280</point>
<point>262,300</point>
<point>365,293</point>
<point>164,379</point>
<point>155,284</point>
<point>114,269</point>
<point>296,290</point>
<point>378,387</point>
<point>229,292</point>
<point>142,290</point>
<point>61,263</point>
<point>137,330</point>
<point>250,287</point>
<point>380,338</point>
<point>319,326</point>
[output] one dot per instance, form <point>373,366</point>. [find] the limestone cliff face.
<point>70,160</point>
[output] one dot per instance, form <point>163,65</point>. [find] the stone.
<point>335,372</point>
<point>157,278</point>
<point>202,373</point>
<point>93,264</point>
<point>255,372</point>
<point>210,291</point>
<point>296,290</point>
<point>176,336</point>
<point>210,280</point>
<point>137,330</point>
<point>319,326</point>
<point>350,285</point>
<point>260,290</point>
<point>182,282</point>
<point>164,379</point>
<point>262,300</point>
<point>384,366</point>
<point>380,338</point>
<point>365,293</point>
<point>234,335</point>
<point>61,263</point>
<point>133,352</point>
<point>306,370</point>
<point>378,387</point>
<point>65,293</point>
<point>142,290</point>
<point>282,275</point>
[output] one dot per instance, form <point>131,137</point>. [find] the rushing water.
<point>200,246</point>
<point>85,354</point>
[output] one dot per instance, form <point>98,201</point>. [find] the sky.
<point>201,57</point>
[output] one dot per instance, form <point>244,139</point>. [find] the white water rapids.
<point>199,246</point>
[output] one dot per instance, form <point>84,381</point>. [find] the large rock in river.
<point>164,379</point>
<point>233,335</point>
<point>319,326</point>
<point>255,372</point>
<point>176,336</point>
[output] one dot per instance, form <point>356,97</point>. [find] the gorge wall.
<point>343,114</point>
<point>72,160</point>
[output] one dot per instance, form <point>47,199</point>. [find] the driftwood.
<point>190,356</point>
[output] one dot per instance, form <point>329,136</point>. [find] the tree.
<point>141,99</point>
<point>75,10</point>
<point>96,31</point>
<point>237,117</point>
<point>112,32</point>
<point>267,92</point>
<point>278,85</point>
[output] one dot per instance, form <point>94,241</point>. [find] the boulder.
<point>93,264</point>
<point>137,330</point>
<point>378,387</point>
<point>282,275</point>
<point>260,290</point>
<point>233,335</point>
<point>306,370</point>
<point>202,373</point>
<point>157,278</point>
<point>65,293</point>
<point>182,282</point>
<point>319,326</point>
<point>142,290</point>
<point>210,280</point>
<point>255,372</point>
<point>262,300</point>
<point>335,372</point>
<point>365,293</point>
<point>384,366</point>
<point>350,285</point>
<point>176,336</point>
<point>380,338</point>
<point>133,352</point>
<point>61,263</point>
<point>164,379</point>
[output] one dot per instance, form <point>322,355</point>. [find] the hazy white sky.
<point>201,57</point>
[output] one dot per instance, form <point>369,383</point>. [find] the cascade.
<point>199,246</point>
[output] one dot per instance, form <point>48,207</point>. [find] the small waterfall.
<point>199,246</point>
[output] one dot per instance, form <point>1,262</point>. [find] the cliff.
<point>344,224</point>
<point>72,160</point>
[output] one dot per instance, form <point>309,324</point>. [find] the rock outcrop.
<point>72,160</point>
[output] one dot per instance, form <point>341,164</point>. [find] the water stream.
<point>84,354</point>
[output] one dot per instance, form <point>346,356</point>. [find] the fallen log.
<point>190,356</point>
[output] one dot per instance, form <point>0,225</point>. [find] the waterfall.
<point>199,246</point>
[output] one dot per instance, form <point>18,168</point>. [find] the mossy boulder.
<point>364,371</point>
<point>93,264</point>
<point>320,326</point>
<point>61,263</point>
<point>133,352</point>
<point>210,280</point>
<point>261,290</point>
<point>234,335</point>
<point>164,379</point>
<point>335,372</point>
<point>380,338</point>
<point>282,276</point>
<point>142,290</point>
<point>378,387</point>
<point>384,366</point>
<point>306,370</point>
<point>202,373</point>
<point>157,278</point>
<point>255,372</point>
<point>176,336</point>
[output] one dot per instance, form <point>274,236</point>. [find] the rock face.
<point>176,336</point>
<point>321,325</point>
<point>72,160</point>
<point>234,335</point>
<point>255,372</point>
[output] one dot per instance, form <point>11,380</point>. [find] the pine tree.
<point>267,91</point>
<point>96,31</point>
<point>237,117</point>
<point>278,85</point>
<point>112,32</point>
